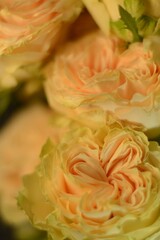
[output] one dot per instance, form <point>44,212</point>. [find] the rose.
<point>82,61</point>
<point>31,29</point>
<point>34,23</point>
<point>29,32</point>
<point>97,72</point>
<point>20,142</point>
<point>96,184</point>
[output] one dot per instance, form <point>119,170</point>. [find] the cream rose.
<point>96,184</point>
<point>20,142</point>
<point>97,72</point>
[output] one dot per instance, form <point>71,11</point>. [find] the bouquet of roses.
<point>80,119</point>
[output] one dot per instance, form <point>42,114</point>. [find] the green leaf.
<point>130,23</point>
<point>146,25</point>
<point>135,7</point>
<point>121,30</point>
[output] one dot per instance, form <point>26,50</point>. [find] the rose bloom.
<point>34,22</point>
<point>99,72</point>
<point>20,142</point>
<point>29,32</point>
<point>96,184</point>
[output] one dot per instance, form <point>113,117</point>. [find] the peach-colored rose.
<point>20,142</point>
<point>33,23</point>
<point>96,184</point>
<point>97,72</point>
<point>29,30</point>
<point>80,63</point>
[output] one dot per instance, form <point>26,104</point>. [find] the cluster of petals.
<point>96,184</point>
<point>101,72</point>
<point>34,22</point>
<point>29,31</point>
